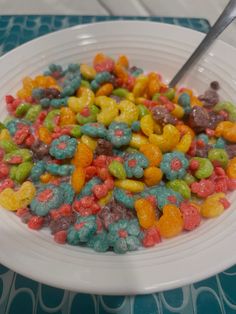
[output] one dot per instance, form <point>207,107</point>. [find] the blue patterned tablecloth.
<point>20,295</point>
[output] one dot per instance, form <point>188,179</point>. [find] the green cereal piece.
<point>170,93</point>
<point>76,131</point>
<point>91,118</point>
<point>189,179</point>
<point>180,186</point>
<point>24,153</point>
<point>85,83</point>
<point>22,109</point>
<point>2,126</point>
<point>156,96</point>
<point>228,107</point>
<point>8,145</point>
<point>13,172</point>
<point>33,113</point>
<point>49,120</point>
<point>143,111</point>
<point>120,92</point>
<point>205,168</point>
<point>219,155</point>
<point>117,169</point>
<point>23,171</point>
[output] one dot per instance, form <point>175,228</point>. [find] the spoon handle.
<point>222,22</point>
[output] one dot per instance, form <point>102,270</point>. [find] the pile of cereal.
<point>110,158</point>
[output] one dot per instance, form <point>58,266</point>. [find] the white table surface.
<point>209,9</point>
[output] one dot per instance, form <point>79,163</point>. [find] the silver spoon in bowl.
<point>226,17</point>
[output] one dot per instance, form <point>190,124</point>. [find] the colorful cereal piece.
<point>174,165</point>
<point>119,134</point>
<point>135,164</point>
<point>63,147</point>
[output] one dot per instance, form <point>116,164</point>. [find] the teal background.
<point>20,295</point>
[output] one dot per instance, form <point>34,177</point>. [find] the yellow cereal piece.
<point>130,185</point>
<point>103,201</point>
<point>85,98</point>
<point>184,144</point>
<point>178,111</point>
<point>128,112</point>
<point>138,140</point>
<point>167,140</point>
<point>212,207</point>
<point>147,124</point>
<point>5,135</point>
<point>109,109</point>
<point>87,71</point>
<point>89,141</point>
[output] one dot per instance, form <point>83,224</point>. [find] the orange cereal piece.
<point>45,135</point>
<point>78,179</point>
<point>153,84</point>
<point>47,177</point>
<point>145,212</point>
<point>123,60</point>
<point>67,116</point>
<point>221,127</point>
<point>231,168</point>
<point>196,102</point>
<point>230,133</point>
<point>185,129</point>
<point>121,72</point>
<point>105,90</point>
<point>152,152</point>
<point>152,176</point>
<point>83,156</point>
<point>171,222</point>
<point>99,58</point>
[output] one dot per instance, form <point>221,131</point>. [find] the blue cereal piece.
<point>174,165</point>
<point>99,242</point>
<point>68,193</point>
<point>60,170</point>
<point>124,197</point>
<point>82,231</point>
<point>38,169</point>
<point>12,125</point>
<point>184,101</point>
<point>135,126</point>
<point>100,78</point>
<point>87,189</point>
<point>134,165</point>
<point>48,197</point>
<point>63,147</point>
<point>220,143</point>
<point>94,129</point>
<point>163,195</point>
<point>119,134</point>
<point>124,235</point>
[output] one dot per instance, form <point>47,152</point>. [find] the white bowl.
<point>187,258</point>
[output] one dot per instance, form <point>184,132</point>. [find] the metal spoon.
<point>226,17</point>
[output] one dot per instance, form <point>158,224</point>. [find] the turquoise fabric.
<point>20,295</point>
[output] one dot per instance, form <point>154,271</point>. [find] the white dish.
<point>187,258</point>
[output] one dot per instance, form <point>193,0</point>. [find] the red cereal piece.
<point>194,165</point>
<point>60,237</point>
<point>55,214</point>
<point>220,171</point>
<point>103,173</point>
<point>22,211</point>
<point>225,202</point>
<point>100,190</point>
<point>15,160</point>
<point>35,222</point>
<point>191,216</point>
<point>231,183</point>
<point>65,210</point>
<point>4,170</point>
<point>101,161</point>
<point>203,188</point>
<point>7,183</point>
<point>90,172</point>
<point>109,183</point>
<point>107,65</point>
<point>221,185</point>
<point>210,132</point>
<point>151,237</point>
<point>9,99</point>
